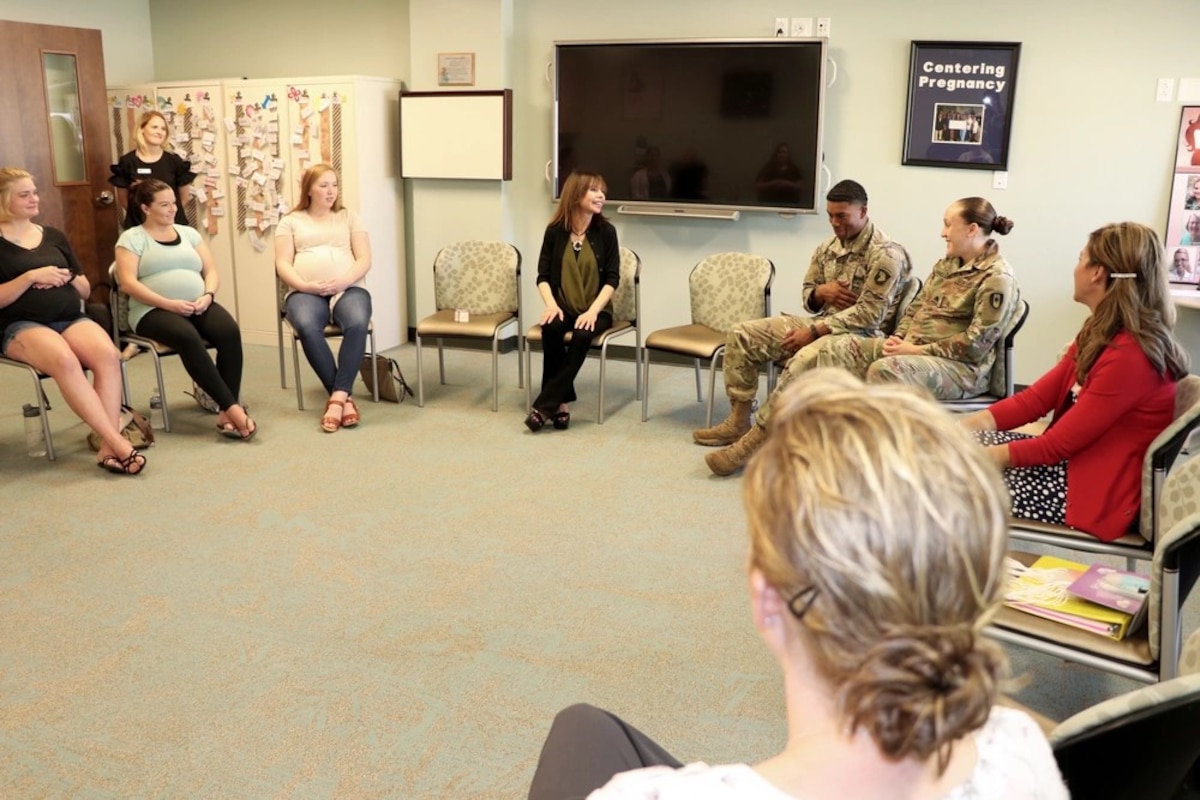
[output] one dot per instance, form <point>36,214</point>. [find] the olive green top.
<point>580,278</point>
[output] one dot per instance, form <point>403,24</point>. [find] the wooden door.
<point>38,108</point>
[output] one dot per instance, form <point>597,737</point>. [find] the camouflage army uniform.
<point>875,267</point>
<point>959,316</point>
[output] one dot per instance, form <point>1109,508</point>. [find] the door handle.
<point>105,198</point>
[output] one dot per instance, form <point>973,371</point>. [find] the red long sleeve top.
<point>1122,405</point>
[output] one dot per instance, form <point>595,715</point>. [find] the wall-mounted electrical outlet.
<point>823,26</point>
<point>781,26</point>
<point>1166,90</point>
<point>801,26</point>
<point>999,180</point>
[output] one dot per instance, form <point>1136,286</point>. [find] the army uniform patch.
<point>997,300</point>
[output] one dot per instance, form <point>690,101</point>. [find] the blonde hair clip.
<point>1122,274</point>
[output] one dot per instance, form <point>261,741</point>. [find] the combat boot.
<point>732,458</point>
<point>732,428</point>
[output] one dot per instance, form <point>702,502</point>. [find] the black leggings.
<point>186,335</point>
<point>585,748</point>
<point>561,361</point>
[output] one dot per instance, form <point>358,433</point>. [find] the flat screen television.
<point>732,124</point>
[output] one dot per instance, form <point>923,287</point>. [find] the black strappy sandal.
<point>561,420</point>
<point>123,466</point>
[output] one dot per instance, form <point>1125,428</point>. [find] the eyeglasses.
<point>802,601</point>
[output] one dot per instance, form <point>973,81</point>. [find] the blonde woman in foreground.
<point>870,581</point>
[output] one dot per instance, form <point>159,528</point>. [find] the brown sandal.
<point>330,423</point>
<point>132,464</point>
<point>350,416</point>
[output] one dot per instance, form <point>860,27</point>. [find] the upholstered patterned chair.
<point>627,309</point>
<point>724,289</point>
<point>1153,653</point>
<point>483,279</point>
<point>332,331</point>
<point>1138,745</point>
<point>1160,457</point>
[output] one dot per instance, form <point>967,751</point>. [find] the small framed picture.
<point>456,69</point>
<point>1181,248</point>
<point>960,104</point>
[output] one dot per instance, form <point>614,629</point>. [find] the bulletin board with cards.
<point>1182,243</point>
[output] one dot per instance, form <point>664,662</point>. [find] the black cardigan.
<point>602,237</point>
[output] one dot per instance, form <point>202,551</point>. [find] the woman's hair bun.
<point>919,690</point>
<point>1002,225</point>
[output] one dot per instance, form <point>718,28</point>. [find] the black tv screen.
<point>734,124</point>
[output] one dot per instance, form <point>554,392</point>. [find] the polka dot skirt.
<point>1038,493</point>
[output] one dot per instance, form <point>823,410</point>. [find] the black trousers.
<point>223,380</point>
<point>585,748</point>
<point>561,361</point>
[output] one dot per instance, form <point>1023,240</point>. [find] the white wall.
<point>278,38</point>
<point>124,27</point>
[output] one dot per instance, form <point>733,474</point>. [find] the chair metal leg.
<point>638,355</point>
<point>1170,627</point>
<point>645,385</point>
<point>699,391</point>
<point>296,366</point>
<point>375,392</point>
<point>162,391</point>
<point>125,383</point>
<point>441,362</point>
<point>529,369</point>
<point>41,395</point>
<point>495,370</point>
<point>520,365</point>
<point>282,360</point>
<point>603,362</point>
<point>420,375</point>
<point>712,385</point>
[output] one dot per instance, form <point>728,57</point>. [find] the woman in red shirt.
<point>1111,394</point>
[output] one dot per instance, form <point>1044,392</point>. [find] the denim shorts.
<point>20,325</point>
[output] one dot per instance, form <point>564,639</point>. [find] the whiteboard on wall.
<point>466,135</point>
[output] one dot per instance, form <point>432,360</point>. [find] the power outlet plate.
<point>999,180</point>
<point>1166,90</point>
<point>823,26</point>
<point>781,26</point>
<point>802,26</point>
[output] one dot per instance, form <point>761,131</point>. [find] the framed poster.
<point>960,104</point>
<point>456,69</point>
<point>1181,247</point>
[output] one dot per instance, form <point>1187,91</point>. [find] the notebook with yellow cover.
<point>1042,590</point>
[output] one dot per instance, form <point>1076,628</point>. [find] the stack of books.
<point>1099,599</point>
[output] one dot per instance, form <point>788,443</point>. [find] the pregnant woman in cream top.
<point>322,253</point>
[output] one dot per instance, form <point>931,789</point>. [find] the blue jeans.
<point>309,314</point>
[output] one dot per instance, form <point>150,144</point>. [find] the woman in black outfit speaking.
<point>578,271</point>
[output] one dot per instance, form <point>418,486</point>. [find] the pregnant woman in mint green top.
<point>171,279</point>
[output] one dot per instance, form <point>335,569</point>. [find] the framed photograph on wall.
<point>1181,247</point>
<point>960,104</point>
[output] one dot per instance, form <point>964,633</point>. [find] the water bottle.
<point>156,411</point>
<point>35,439</point>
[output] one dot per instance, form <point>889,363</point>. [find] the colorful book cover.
<point>1043,590</point>
<point>1116,589</point>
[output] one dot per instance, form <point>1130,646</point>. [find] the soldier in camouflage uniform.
<point>853,285</point>
<point>946,339</point>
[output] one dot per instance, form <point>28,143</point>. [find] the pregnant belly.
<point>322,263</point>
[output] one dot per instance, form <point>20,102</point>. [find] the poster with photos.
<point>1182,245</point>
